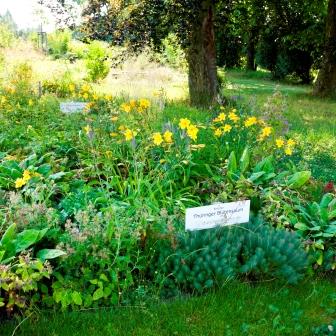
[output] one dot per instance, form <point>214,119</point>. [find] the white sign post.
<point>73,107</point>
<point>219,214</point>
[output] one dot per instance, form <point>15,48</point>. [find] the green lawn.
<point>312,120</point>
<point>237,309</point>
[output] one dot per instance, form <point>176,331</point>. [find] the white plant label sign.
<point>73,107</point>
<point>219,214</point>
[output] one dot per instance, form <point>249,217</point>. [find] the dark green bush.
<point>203,259</point>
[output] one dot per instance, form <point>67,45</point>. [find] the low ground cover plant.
<point>102,195</point>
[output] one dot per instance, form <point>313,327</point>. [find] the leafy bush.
<point>19,282</point>
<point>19,273</point>
<point>203,259</point>
<point>77,49</point>
<point>58,43</point>
<point>7,36</point>
<point>172,53</point>
<point>316,224</point>
<point>97,61</point>
<point>103,259</point>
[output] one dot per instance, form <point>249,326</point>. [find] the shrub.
<point>172,53</point>
<point>96,61</point>
<point>103,261</point>
<point>7,36</point>
<point>58,43</point>
<point>203,259</point>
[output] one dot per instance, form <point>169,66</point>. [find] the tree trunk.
<point>201,56</point>
<point>251,51</point>
<point>326,80</point>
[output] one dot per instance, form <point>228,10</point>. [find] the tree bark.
<point>326,80</point>
<point>201,56</point>
<point>251,51</point>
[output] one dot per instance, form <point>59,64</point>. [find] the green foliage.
<point>204,259</point>
<point>58,43</point>
<point>7,36</point>
<point>172,54</point>
<point>60,85</point>
<point>13,243</point>
<point>325,329</point>
<point>97,61</point>
<point>103,258</point>
<point>316,223</point>
<point>19,282</point>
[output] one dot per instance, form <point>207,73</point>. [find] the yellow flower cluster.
<point>158,138</point>
<point>87,129</point>
<point>26,177</point>
<point>233,116</point>
<point>265,133</point>
<point>129,134</point>
<point>222,130</point>
<point>191,130</point>
<point>85,92</point>
<point>140,106</point>
<point>251,121</point>
<point>221,117</point>
<point>288,146</point>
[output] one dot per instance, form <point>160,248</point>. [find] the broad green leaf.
<point>244,161</point>
<point>77,298</point>
<point>265,165</point>
<point>57,176</point>
<point>299,179</point>
<point>326,200</point>
<point>27,238</point>
<point>103,277</point>
<point>301,227</point>
<point>331,229</point>
<point>98,294</point>
<point>2,253</point>
<point>255,176</point>
<point>232,163</point>
<point>319,260</point>
<point>232,166</point>
<point>7,242</point>
<point>8,236</point>
<point>332,215</point>
<point>46,254</point>
<point>44,169</point>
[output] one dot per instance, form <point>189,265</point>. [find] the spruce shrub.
<point>198,260</point>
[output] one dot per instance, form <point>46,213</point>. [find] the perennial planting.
<point>92,203</point>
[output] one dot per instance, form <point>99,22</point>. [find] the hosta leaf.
<point>27,238</point>
<point>255,176</point>
<point>244,161</point>
<point>301,227</point>
<point>331,229</point>
<point>8,236</point>
<point>299,179</point>
<point>46,254</point>
<point>326,199</point>
<point>232,163</point>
